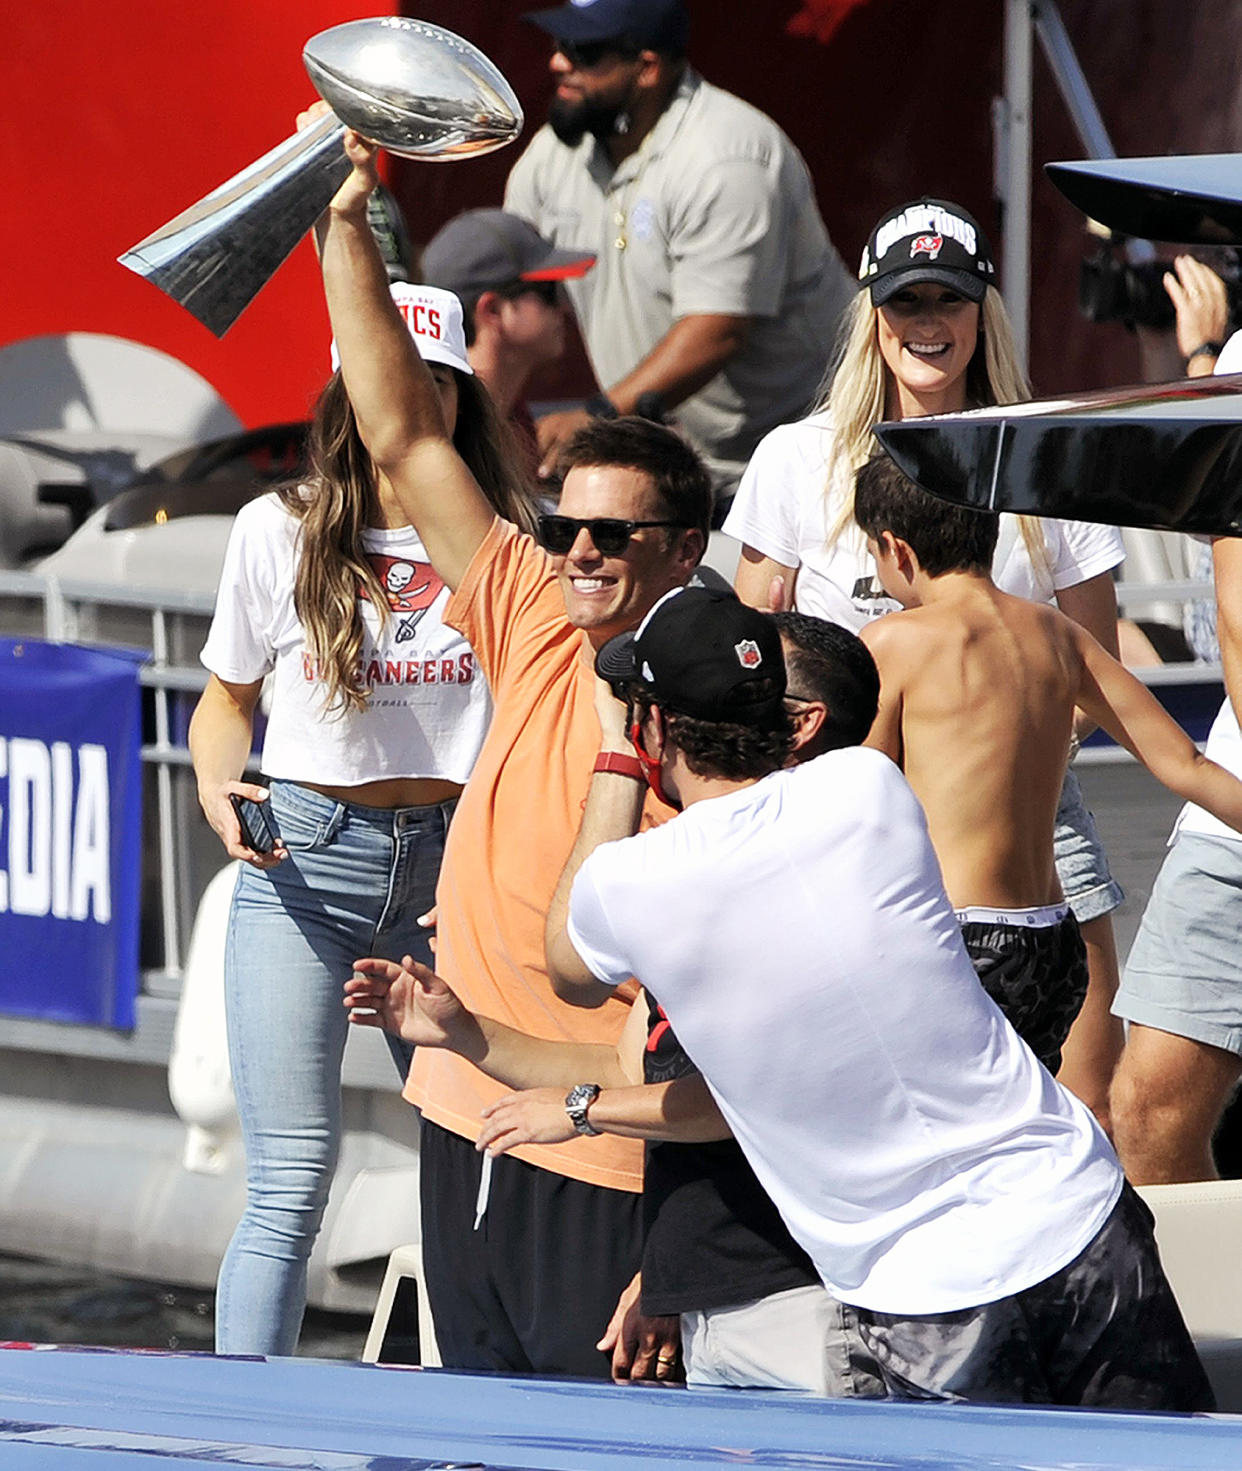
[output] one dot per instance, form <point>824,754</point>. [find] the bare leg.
<point>1089,1056</point>
<point>1168,1094</point>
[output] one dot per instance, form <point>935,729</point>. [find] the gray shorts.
<point>1184,974</point>
<point>1082,865</point>
<point>798,1339</point>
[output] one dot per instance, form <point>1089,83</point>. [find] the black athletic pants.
<point>532,1290</point>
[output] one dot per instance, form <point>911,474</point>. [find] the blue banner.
<point>70,832</point>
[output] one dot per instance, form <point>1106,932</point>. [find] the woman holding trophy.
<point>377,714</point>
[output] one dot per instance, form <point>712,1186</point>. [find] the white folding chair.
<point>405,1267</point>
<point>1199,1232</point>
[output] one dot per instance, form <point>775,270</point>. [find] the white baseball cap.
<point>434,319</point>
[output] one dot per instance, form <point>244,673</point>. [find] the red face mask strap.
<point>651,767</point>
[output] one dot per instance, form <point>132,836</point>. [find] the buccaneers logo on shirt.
<point>412,587</point>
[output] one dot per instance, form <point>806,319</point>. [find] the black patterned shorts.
<point>1037,975</point>
<point>1104,1331</point>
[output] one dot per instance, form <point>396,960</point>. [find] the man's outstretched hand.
<point>407,999</point>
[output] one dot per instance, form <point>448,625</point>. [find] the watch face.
<point>578,1100</point>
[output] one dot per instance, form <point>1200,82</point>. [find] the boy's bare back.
<point>978,691</point>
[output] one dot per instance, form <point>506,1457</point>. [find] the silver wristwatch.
<point>579,1098</point>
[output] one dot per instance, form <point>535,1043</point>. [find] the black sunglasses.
<point>610,535</point>
<point>548,292</point>
<point>583,55</point>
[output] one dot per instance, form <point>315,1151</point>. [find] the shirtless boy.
<point>977,700</point>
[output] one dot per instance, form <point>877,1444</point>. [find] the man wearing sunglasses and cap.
<point>717,291</point>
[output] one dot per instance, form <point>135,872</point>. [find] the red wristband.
<point>621,764</point>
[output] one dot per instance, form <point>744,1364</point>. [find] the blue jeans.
<point>354,883</point>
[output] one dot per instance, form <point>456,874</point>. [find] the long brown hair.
<point>341,499</point>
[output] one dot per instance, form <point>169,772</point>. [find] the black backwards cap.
<point>927,240</point>
<point>700,652</point>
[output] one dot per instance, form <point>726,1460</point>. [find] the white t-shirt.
<point>785,510</point>
<point>1224,746</point>
<point>429,707</point>
<point>798,935</point>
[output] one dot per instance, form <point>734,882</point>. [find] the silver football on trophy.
<point>413,88</point>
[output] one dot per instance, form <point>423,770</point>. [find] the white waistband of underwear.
<point>1041,918</point>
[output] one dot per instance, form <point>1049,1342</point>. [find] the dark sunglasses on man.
<point>609,534</point>
<point>584,55</point>
<point>548,292</point>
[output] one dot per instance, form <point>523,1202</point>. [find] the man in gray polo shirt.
<point>716,291</point>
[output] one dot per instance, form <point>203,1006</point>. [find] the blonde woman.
<point>929,334</point>
<point>377,715</point>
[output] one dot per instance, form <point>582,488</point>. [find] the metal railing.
<point>170,624</point>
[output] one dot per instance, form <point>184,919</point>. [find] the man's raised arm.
<point>614,809</point>
<point>394,397</point>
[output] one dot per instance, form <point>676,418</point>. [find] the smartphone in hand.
<point>258,832</point>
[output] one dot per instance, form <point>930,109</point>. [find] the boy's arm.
<point>613,809</point>
<point>1132,715</point>
<point>885,641</point>
<point>682,1110</point>
<point>415,1003</point>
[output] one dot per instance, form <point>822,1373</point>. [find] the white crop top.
<point>430,706</point>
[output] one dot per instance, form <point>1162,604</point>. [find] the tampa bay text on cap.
<point>434,321</point>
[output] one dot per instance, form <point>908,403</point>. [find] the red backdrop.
<point>122,115</point>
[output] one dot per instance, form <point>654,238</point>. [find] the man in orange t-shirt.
<point>525,1269</point>
<point>512,832</point>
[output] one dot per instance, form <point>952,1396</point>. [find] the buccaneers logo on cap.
<point>928,245</point>
<point>748,655</point>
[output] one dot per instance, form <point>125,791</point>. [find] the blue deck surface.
<point>114,1411</point>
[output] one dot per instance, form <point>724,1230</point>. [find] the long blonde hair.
<point>856,393</point>
<point>341,500</point>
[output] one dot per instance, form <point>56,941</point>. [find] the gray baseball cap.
<point>484,249</point>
